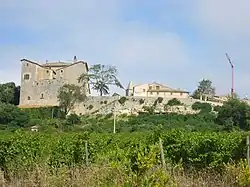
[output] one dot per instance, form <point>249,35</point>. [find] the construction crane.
<point>232,68</point>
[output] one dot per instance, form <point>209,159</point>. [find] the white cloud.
<point>94,31</point>
<point>229,18</point>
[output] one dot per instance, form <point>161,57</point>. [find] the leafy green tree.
<point>68,96</point>
<point>205,87</point>
<point>10,115</point>
<point>174,102</point>
<point>237,111</point>
<point>9,93</point>
<point>203,107</point>
<point>73,119</point>
<point>101,77</point>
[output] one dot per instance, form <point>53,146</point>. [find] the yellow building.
<point>155,90</point>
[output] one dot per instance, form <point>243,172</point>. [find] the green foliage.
<point>68,96</point>
<point>149,109</point>
<point>90,107</point>
<point>239,171</point>
<point>44,112</point>
<point>205,87</point>
<point>174,102</point>
<point>136,152</point>
<point>141,101</point>
<point>101,77</point>
<point>203,107</point>
<point>12,116</point>
<point>9,93</point>
<point>122,100</point>
<point>238,111</point>
<point>73,119</point>
<point>105,102</point>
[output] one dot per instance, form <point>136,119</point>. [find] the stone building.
<point>40,82</point>
<point>155,90</point>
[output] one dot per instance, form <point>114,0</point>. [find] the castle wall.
<point>39,86</point>
<point>107,104</point>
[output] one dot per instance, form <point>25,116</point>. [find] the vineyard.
<point>134,153</point>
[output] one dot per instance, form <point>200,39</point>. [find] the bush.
<point>90,107</point>
<point>149,109</point>
<point>141,101</point>
<point>13,116</point>
<point>203,107</point>
<point>44,112</point>
<point>122,100</point>
<point>160,99</point>
<point>174,102</point>
<point>105,102</point>
<point>73,119</point>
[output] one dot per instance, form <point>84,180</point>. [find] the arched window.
<point>28,97</point>
<point>41,96</point>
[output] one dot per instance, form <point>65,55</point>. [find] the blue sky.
<point>174,42</point>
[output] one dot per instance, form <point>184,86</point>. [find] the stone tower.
<point>40,82</point>
<point>129,90</point>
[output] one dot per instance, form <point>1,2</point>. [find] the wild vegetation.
<point>203,149</point>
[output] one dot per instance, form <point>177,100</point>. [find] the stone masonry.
<point>40,82</point>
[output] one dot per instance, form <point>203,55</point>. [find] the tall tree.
<point>101,77</point>
<point>205,87</point>
<point>9,93</point>
<point>68,96</point>
<point>235,111</point>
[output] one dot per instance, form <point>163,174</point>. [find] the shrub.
<point>149,109</point>
<point>141,101</point>
<point>105,102</point>
<point>101,102</point>
<point>203,107</point>
<point>13,116</point>
<point>73,119</point>
<point>90,107</point>
<point>160,99</point>
<point>122,100</point>
<point>174,102</point>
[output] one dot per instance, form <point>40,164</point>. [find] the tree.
<point>235,110</point>
<point>68,96</point>
<point>174,102</point>
<point>101,77</point>
<point>9,93</point>
<point>204,88</point>
<point>203,107</point>
<point>11,115</point>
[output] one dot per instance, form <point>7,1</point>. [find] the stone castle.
<point>40,82</point>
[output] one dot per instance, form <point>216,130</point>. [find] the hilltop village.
<point>40,84</point>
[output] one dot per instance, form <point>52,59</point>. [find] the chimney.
<point>75,59</point>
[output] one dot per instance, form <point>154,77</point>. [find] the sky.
<point>173,42</point>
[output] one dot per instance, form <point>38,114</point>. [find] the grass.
<point>102,175</point>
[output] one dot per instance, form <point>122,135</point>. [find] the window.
<point>27,64</point>
<point>157,87</point>
<point>144,90</point>
<point>150,87</point>
<point>180,93</point>
<point>61,71</point>
<point>157,93</point>
<point>47,71</point>
<point>41,96</point>
<point>171,93</point>
<point>151,93</point>
<point>26,77</point>
<point>28,98</point>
